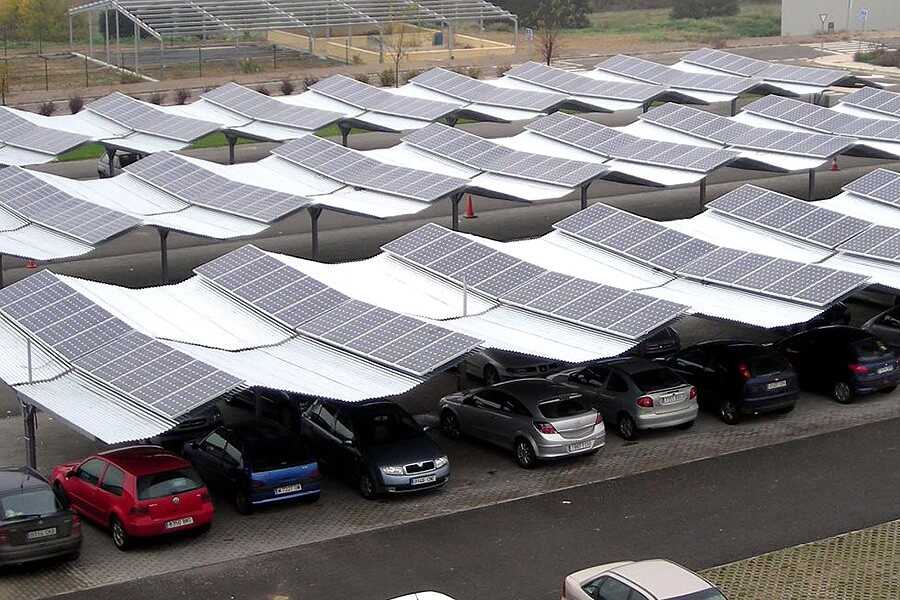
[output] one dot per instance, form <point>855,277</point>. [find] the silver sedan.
<point>535,418</point>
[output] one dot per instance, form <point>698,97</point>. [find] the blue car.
<point>258,463</point>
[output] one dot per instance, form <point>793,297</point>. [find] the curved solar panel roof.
<point>260,107</point>
<point>735,64</point>
<point>879,101</point>
<point>368,97</point>
<point>651,72</point>
<point>567,82</point>
<point>140,116</point>
<point>825,120</point>
<point>22,133</point>
<point>472,90</point>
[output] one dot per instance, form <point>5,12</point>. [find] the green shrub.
<point>387,78</point>
<point>362,77</point>
<point>287,88</point>
<point>248,65</point>
<point>703,9</point>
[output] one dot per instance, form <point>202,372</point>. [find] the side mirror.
<point>348,443</point>
<point>70,473</point>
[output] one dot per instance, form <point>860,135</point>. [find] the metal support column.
<point>259,404</point>
<point>162,59</point>
<point>645,107</point>
<point>164,255</point>
<point>702,193</point>
<point>734,103</point>
<point>584,190</point>
<point>232,142</point>
<point>811,191</point>
<point>29,415</point>
<point>314,213</point>
<point>516,33</point>
<point>1,270</point>
<point>137,49</point>
<point>452,120</point>
<point>111,156</point>
<point>71,34</point>
<point>118,42</point>
<point>345,132</point>
<point>454,204</point>
<point>106,34</point>
<point>90,35</point>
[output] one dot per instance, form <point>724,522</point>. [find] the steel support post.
<point>164,255</point>
<point>1,271</point>
<point>91,35</point>
<point>734,107</point>
<point>111,156</point>
<point>454,204</point>
<point>314,213</point>
<point>118,41</point>
<point>232,142</point>
<point>702,193</point>
<point>29,416</point>
<point>811,191</point>
<point>345,132</point>
<point>106,34</point>
<point>584,190</point>
<point>137,49</point>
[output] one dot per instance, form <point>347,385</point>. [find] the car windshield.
<point>869,348</point>
<point>710,594</point>
<point>168,483</point>
<point>766,364</point>
<point>278,453</point>
<point>561,408</point>
<point>652,380</point>
<point>25,503</point>
<point>387,425</point>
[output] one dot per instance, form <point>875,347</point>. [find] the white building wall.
<point>801,17</point>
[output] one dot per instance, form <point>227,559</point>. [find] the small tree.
<point>76,103</point>
<point>551,16</point>
<point>397,49</point>
<point>182,95</point>
<point>47,108</point>
<point>287,87</point>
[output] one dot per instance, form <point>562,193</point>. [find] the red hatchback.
<point>136,492</point>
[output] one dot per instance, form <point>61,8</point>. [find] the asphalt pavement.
<point>700,514</point>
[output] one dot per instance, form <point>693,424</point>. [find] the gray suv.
<point>535,418</point>
<point>634,394</point>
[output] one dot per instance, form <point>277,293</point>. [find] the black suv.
<point>375,443</point>
<point>35,523</point>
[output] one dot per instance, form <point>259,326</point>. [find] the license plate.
<point>776,385</point>
<point>425,479</point>
<point>580,446</point>
<point>41,533</point>
<point>884,370</point>
<point>179,523</point>
<point>670,399</point>
<point>288,489</point>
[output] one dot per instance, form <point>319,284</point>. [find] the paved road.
<point>700,514</point>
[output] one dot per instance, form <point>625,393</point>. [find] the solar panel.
<point>880,101</point>
<point>795,112</point>
<point>655,73</point>
<point>879,185</point>
<point>37,201</point>
<point>260,107</point>
<point>728,62</point>
<point>143,117</point>
<point>574,84</point>
<point>466,88</point>
<point>351,167</point>
<point>22,133</point>
<point>366,97</point>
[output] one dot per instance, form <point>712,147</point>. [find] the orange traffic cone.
<point>834,165</point>
<point>31,264</point>
<point>470,208</point>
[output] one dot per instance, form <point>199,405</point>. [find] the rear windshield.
<point>765,364</point>
<point>387,425</point>
<point>869,348</point>
<point>562,408</point>
<point>652,380</point>
<point>168,483</point>
<point>29,503</point>
<point>278,453</point>
<point>710,594</point>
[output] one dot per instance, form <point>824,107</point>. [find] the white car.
<point>642,580</point>
<point>424,596</point>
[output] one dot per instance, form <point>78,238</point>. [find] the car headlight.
<point>392,470</point>
<point>441,461</point>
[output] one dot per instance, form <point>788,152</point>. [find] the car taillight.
<point>859,369</point>
<point>139,510</point>
<point>599,419</point>
<point>258,484</point>
<point>315,473</point>
<point>544,427</point>
<point>76,523</point>
<point>693,392</point>
<point>205,497</point>
<point>744,370</point>
<point>645,402</point>
<point>4,537</point>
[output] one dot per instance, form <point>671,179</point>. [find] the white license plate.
<point>884,370</point>
<point>776,385</point>
<point>666,400</point>
<point>41,533</point>
<point>581,446</point>
<point>424,479</point>
<point>179,523</point>
<point>288,489</point>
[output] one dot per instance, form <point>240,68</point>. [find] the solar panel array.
<point>478,153</point>
<point>354,168</point>
<point>139,116</point>
<point>471,90</point>
<point>310,307</point>
<point>35,200</point>
<point>22,133</point>
<point>728,62</point>
<point>613,143</point>
<point>879,185</point>
<point>260,107</point>
<point>578,85</point>
<point>804,114</point>
<point>195,185</point>
<point>881,101</point>
<point>368,97</point>
<point>512,281</point>
<point>650,243</point>
<point>724,131</point>
<point>651,72</point>
<point>87,336</point>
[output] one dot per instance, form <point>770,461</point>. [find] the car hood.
<point>414,450</point>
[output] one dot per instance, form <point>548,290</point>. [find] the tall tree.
<point>551,16</point>
<point>10,19</point>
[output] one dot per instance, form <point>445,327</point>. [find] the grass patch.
<point>882,58</point>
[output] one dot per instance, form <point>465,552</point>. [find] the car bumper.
<point>152,527</point>
<point>754,406</point>
<point>870,385</point>
<point>667,419</point>
<point>399,484</point>
<point>561,449</point>
<point>40,550</point>
<point>310,490</point>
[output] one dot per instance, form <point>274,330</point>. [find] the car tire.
<point>843,392</point>
<point>202,530</point>
<point>121,539</point>
<point>626,427</point>
<point>72,557</point>
<point>888,390</point>
<point>242,503</point>
<point>525,454</point>
<point>367,487</point>
<point>730,412</point>
<point>684,426</point>
<point>450,425</point>
<point>490,375</point>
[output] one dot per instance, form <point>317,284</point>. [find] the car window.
<point>693,356</point>
<point>709,594</point>
<point>386,424</point>
<point>487,400</point>
<point>323,415</point>
<point>113,480</point>
<point>513,406</point>
<point>652,380</point>
<point>277,452</point>
<point>607,588</point>
<point>168,483</point>
<point>597,375</point>
<point>868,348</point>
<point>234,453</point>
<point>90,471</point>
<point>20,503</point>
<point>214,443</point>
<point>561,408</point>
<point>343,426</point>
<point>616,383</point>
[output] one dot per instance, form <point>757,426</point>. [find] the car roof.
<point>13,478</point>
<point>848,331</point>
<point>727,343</point>
<point>533,389</point>
<point>144,460</point>
<point>662,578</point>
<point>631,364</point>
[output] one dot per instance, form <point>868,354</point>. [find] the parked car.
<point>424,596</point>
<point>662,344</point>
<point>274,405</point>
<point>137,492</point>
<point>886,327</point>
<point>35,523</point>
<point>192,426</point>
<point>736,378</point>
<point>836,314</point>
<point>642,580</point>
<point>257,462</point>
<point>634,394</point>
<point>535,418</point>
<point>843,361</point>
<point>493,366</point>
<point>377,444</point>
<point>122,160</point>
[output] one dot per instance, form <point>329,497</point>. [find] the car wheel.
<point>73,556</point>
<point>729,412</point>
<point>120,537</point>
<point>888,390</point>
<point>202,530</point>
<point>683,426</point>
<point>242,502</point>
<point>367,487</point>
<point>843,392</point>
<point>525,456</point>
<point>450,425</point>
<point>490,375</point>
<point>627,428</point>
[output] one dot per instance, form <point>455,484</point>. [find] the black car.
<point>662,344</point>
<point>843,361</point>
<point>886,327</point>
<point>377,444</point>
<point>35,522</point>
<point>736,378</point>
<point>257,462</point>
<point>192,426</point>
<point>836,314</point>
